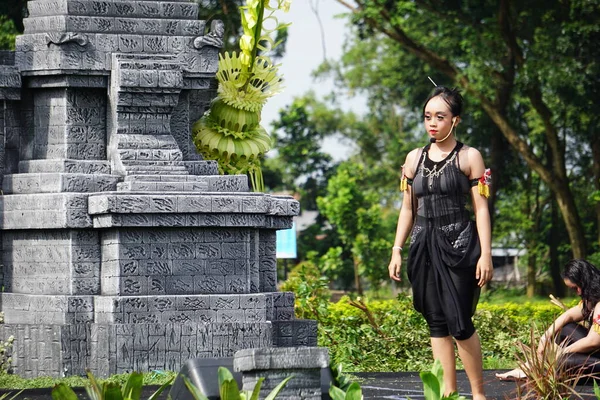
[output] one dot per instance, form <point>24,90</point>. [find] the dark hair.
<point>587,277</point>
<point>452,97</point>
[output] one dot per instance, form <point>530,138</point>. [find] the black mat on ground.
<point>404,385</point>
<point>376,385</point>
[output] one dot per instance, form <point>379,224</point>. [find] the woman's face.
<point>573,286</point>
<point>438,118</point>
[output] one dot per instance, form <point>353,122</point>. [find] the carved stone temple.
<point>121,248</point>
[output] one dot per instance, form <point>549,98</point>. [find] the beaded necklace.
<point>435,172</point>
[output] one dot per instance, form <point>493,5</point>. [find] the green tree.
<point>14,10</point>
<point>360,221</point>
<point>299,132</point>
<point>520,63</point>
<point>8,33</point>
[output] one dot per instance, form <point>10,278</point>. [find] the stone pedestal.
<point>122,249</point>
<point>276,364</point>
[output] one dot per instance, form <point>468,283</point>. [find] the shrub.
<point>311,289</point>
<point>5,351</point>
<point>389,335</point>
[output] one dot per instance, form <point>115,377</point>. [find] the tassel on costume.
<point>403,182</point>
<point>484,183</point>
<point>596,324</point>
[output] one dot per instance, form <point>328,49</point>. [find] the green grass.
<point>8,381</point>
<point>496,363</point>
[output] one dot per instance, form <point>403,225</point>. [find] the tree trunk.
<point>531,272</point>
<point>553,241</point>
<point>596,172</point>
<point>554,264</point>
<point>568,209</point>
<point>499,149</point>
<point>559,186</point>
<point>530,241</point>
<point>357,282</point>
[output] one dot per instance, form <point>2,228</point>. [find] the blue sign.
<point>286,243</point>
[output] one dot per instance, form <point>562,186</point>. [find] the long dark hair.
<point>587,277</point>
<point>452,97</point>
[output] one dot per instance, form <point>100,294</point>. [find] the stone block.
<point>45,211</point>
<point>232,183</point>
<point>202,167</point>
<point>209,285</point>
<point>275,364</point>
<point>179,285</point>
<point>194,204</point>
<point>64,166</point>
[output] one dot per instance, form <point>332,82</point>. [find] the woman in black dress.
<point>580,345</point>
<point>450,255</point>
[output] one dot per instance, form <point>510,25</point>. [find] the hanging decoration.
<point>230,131</point>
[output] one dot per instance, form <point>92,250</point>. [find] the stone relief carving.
<point>213,38</point>
<point>70,37</point>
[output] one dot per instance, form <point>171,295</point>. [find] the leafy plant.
<point>8,33</point>
<point>311,289</point>
<point>354,392</point>
<point>392,336</point>
<point>433,384</point>
<point>358,218</point>
<point>10,396</point>
<point>5,351</point>
<point>229,390</point>
<point>108,390</point>
<point>230,132</point>
<point>548,376</point>
<point>338,378</point>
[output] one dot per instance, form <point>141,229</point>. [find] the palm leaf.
<point>133,386</point>
<point>63,392</point>
<point>196,394</point>
<point>278,388</point>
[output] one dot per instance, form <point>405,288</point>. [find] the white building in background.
<point>506,261</point>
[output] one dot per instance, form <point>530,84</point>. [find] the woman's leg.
<point>584,364</point>
<point>469,351</point>
<point>443,350</point>
<point>570,333</point>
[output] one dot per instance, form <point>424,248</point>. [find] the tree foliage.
<point>8,33</point>
<point>299,132</point>
<point>359,220</point>
<point>14,10</point>
<point>529,70</point>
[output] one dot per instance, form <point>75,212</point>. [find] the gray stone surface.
<point>53,262</point>
<point>275,364</point>
<point>121,248</point>
<point>281,358</point>
<point>58,182</point>
<point>45,211</point>
<point>67,349</point>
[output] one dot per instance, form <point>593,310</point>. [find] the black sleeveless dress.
<point>444,247</point>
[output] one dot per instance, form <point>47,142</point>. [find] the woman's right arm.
<point>405,221</point>
<point>573,314</point>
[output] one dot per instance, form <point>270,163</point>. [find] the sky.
<point>304,53</point>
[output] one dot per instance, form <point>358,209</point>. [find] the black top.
<point>441,188</point>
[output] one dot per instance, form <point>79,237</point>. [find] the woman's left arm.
<point>592,341</point>
<point>485,269</point>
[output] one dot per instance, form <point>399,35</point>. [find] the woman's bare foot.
<point>516,374</point>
